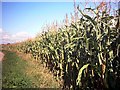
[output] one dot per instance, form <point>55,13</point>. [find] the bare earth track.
<point>1,56</point>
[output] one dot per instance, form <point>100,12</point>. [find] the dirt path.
<point>25,72</point>
<point>1,56</point>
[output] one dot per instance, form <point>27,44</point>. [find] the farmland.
<point>83,55</point>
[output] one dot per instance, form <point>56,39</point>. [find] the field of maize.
<point>84,55</point>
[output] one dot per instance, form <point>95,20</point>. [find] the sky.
<point>22,20</point>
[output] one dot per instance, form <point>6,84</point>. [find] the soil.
<point>1,56</point>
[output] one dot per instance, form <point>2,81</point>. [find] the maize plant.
<point>84,55</point>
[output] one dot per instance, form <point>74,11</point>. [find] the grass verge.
<point>21,71</point>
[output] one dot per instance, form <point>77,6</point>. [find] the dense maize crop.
<point>84,55</point>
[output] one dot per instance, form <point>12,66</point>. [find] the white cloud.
<point>6,36</point>
<point>20,36</point>
<point>0,30</point>
<point>17,37</point>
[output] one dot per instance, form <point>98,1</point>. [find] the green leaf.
<point>80,74</point>
<point>88,17</point>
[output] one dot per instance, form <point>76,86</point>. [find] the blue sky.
<point>31,17</point>
<point>0,15</point>
<point>28,18</point>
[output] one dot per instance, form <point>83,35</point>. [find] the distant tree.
<point>8,43</point>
